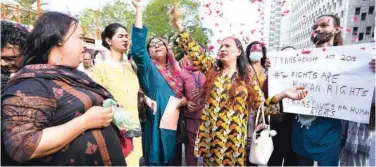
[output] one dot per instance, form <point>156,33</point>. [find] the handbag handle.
<point>260,109</point>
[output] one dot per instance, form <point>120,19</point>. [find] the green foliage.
<point>28,15</point>
<point>156,18</point>
<point>118,12</point>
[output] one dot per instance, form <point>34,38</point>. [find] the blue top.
<point>321,141</point>
<point>158,144</point>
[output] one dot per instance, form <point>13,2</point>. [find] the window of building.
<point>340,2</point>
<point>361,36</point>
<point>355,30</point>
<point>368,30</point>
<point>363,17</point>
<point>341,13</point>
<point>373,34</point>
<point>371,9</point>
<point>357,11</point>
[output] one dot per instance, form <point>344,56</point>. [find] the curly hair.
<point>14,34</point>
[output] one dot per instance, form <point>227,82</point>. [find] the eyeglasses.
<point>9,59</point>
<point>154,44</point>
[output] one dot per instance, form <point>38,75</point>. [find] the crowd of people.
<point>52,109</point>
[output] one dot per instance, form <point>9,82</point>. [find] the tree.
<point>87,21</point>
<point>27,14</point>
<point>118,12</point>
<point>157,19</point>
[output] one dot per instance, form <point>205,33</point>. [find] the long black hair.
<point>241,61</point>
<point>109,32</point>
<point>263,50</point>
<point>244,75</point>
<point>48,31</point>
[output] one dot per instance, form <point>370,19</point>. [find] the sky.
<point>240,14</point>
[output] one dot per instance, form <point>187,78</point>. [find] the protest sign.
<point>339,80</point>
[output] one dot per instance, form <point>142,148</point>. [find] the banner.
<point>339,80</point>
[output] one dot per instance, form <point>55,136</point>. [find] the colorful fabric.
<point>223,132</point>
<point>158,144</point>
<point>42,96</point>
<point>173,81</point>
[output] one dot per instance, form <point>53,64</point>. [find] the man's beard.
<point>321,38</point>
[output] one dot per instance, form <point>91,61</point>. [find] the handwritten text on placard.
<point>339,80</point>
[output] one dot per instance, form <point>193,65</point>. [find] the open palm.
<point>296,93</point>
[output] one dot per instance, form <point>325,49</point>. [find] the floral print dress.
<point>222,135</point>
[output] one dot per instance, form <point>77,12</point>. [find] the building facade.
<point>357,15</point>
<point>271,24</point>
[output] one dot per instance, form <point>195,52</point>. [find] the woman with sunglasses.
<point>159,75</point>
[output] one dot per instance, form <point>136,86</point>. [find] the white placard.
<point>339,80</point>
<point>170,116</point>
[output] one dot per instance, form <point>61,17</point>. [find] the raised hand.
<point>137,3</point>
<point>138,20</point>
<point>177,21</point>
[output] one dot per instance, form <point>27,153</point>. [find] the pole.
<point>18,18</point>
<point>38,8</point>
<point>3,15</point>
<point>97,24</point>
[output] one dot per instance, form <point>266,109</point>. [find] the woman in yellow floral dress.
<point>230,92</point>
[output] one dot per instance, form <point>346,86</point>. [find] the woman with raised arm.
<point>230,92</point>
<point>158,72</point>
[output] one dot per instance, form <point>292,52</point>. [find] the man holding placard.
<point>341,86</point>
